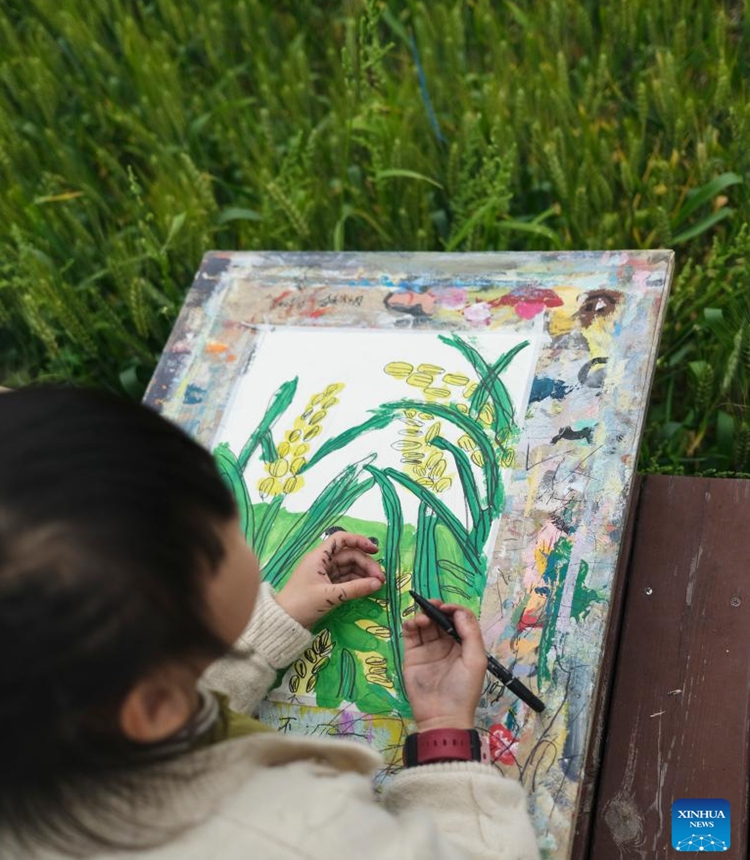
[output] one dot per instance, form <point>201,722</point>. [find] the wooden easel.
<point>673,709</point>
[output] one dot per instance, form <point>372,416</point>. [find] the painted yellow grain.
<point>438,470</point>
<point>466,443</point>
<point>419,380</point>
<point>455,379</point>
<point>278,468</point>
<point>433,432</point>
<point>405,445</point>
<point>399,369</point>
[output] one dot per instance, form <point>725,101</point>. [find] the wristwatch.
<point>437,745</point>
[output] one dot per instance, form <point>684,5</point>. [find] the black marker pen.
<point>493,667</point>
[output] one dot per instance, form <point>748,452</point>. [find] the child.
<point>124,584</point>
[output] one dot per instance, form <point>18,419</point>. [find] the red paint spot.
<point>318,313</point>
<point>528,310</point>
<point>280,298</point>
<point>503,744</point>
<point>530,302</point>
<point>529,619</point>
<point>232,357</point>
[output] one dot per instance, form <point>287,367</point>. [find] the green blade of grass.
<point>706,224</point>
<point>696,197</point>
<point>397,173</point>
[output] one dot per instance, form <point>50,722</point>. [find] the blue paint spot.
<point>194,394</point>
<point>543,387</point>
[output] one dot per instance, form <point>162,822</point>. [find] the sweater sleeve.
<point>475,808</point>
<point>270,642</point>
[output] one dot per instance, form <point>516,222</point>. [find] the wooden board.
<point>592,765</point>
<point>317,378</point>
<point>680,710</point>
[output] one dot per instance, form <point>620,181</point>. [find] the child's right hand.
<point>340,569</point>
<point>444,679</point>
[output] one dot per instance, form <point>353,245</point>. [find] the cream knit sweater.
<point>274,797</point>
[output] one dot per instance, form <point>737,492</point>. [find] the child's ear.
<point>158,706</point>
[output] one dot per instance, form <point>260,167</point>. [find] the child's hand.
<point>340,569</point>
<point>443,679</point>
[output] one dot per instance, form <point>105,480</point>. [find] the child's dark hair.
<point>109,518</point>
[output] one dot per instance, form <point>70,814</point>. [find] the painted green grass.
<point>333,668</point>
<point>135,136</point>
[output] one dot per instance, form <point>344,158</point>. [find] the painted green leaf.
<point>280,401</point>
<point>343,439</point>
<point>489,382</point>
<point>348,674</point>
<point>449,590</point>
<point>265,526</point>
<point>392,562</point>
<point>457,572</point>
<point>336,498</point>
<point>465,475</point>
<point>230,470</point>
<point>443,512</point>
<point>469,426</point>
<point>479,398</point>
<point>268,449</point>
<point>426,581</point>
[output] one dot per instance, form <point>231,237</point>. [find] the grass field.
<point>136,135</point>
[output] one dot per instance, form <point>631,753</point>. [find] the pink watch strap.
<point>438,745</point>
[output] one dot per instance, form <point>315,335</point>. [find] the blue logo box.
<point>700,824</point>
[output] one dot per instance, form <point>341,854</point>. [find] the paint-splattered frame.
<point>547,601</point>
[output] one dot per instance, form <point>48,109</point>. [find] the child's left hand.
<point>340,569</point>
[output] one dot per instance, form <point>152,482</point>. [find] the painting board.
<point>319,381</point>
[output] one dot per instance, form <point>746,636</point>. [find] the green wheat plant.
<point>442,555</point>
<point>136,136</point>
